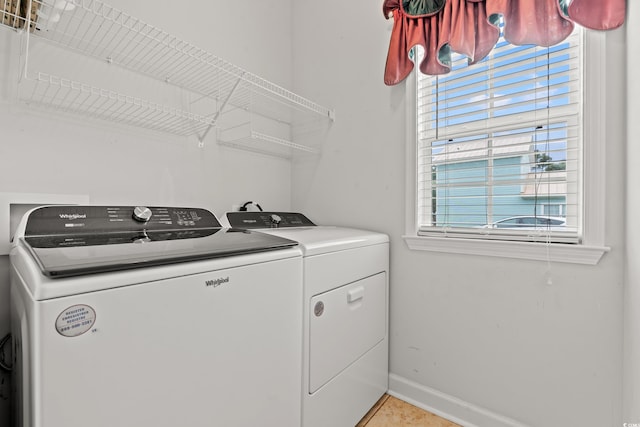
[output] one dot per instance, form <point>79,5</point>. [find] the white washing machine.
<point>153,317</point>
<point>346,294</point>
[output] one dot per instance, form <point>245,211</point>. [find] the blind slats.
<point>562,83</point>
<point>496,124</point>
<point>506,65</point>
<point>524,71</point>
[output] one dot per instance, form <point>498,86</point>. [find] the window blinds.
<point>499,145</point>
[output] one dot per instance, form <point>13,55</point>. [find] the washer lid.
<point>78,255</point>
<point>72,241</point>
<point>324,239</point>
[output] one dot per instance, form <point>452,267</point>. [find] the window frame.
<point>591,249</point>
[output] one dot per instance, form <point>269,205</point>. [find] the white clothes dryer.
<point>345,312</point>
<point>153,317</point>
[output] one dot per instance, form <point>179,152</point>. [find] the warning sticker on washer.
<point>75,320</point>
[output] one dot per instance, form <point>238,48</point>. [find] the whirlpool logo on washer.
<point>216,282</point>
<point>72,216</point>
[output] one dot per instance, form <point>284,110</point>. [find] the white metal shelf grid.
<point>262,143</point>
<point>71,96</point>
<point>97,29</point>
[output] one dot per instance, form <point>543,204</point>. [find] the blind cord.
<point>549,278</point>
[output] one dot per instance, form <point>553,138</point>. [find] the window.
<point>509,141</point>
<point>501,139</point>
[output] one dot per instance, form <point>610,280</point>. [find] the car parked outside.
<point>529,223</point>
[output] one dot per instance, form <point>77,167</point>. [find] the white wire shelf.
<point>246,138</point>
<point>216,90</point>
<point>67,95</point>
<point>99,30</point>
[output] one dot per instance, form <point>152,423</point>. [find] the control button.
<point>142,214</point>
<point>275,220</point>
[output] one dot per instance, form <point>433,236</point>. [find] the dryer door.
<point>344,324</point>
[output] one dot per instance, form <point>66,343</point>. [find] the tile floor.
<point>392,412</point>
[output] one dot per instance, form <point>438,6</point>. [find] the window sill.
<point>556,252</point>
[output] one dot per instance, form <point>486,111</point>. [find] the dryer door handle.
<point>355,294</point>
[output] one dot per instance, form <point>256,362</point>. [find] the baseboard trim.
<point>446,406</point>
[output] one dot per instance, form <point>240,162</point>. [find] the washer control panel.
<point>52,220</point>
<point>251,220</point>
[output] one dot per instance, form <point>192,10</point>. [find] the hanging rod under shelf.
<point>66,95</point>
<point>264,144</point>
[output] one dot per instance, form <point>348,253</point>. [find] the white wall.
<point>632,291</point>
<point>44,153</point>
<point>467,331</point>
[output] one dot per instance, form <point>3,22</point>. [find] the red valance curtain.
<point>471,27</point>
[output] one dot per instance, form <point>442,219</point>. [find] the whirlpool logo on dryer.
<point>216,282</point>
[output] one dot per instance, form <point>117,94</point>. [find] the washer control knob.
<point>142,214</point>
<point>275,220</point>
